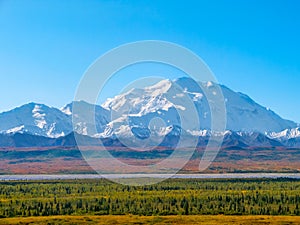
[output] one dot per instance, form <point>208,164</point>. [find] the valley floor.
<point>70,161</point>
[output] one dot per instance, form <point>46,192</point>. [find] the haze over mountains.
<point>150,112</point>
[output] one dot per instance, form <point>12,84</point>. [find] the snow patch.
<point>39,116</point>
<point>15,129</point>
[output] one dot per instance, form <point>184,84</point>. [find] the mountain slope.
<point>83,124</point>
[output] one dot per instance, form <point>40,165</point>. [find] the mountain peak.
<point>188,84</point>
<point>163,86</point>
<point>31,105</point>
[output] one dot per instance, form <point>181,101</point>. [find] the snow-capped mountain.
<point>155,112</point>
<point>36,119</point>
<point>138,107</point>
<point>39,119</point>
<point>288,137</point>
<point>285,134</point>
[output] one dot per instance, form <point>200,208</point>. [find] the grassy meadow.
<point>159,220</point>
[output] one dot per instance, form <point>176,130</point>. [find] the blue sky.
<point>251,46</point>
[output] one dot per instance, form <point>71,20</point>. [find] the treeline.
<point>171,197</point>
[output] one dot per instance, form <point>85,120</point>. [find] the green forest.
<point>170,197</point>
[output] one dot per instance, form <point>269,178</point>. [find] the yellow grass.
<point>159,220</point>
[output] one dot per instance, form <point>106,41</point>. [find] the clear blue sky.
<point>252,46</point>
